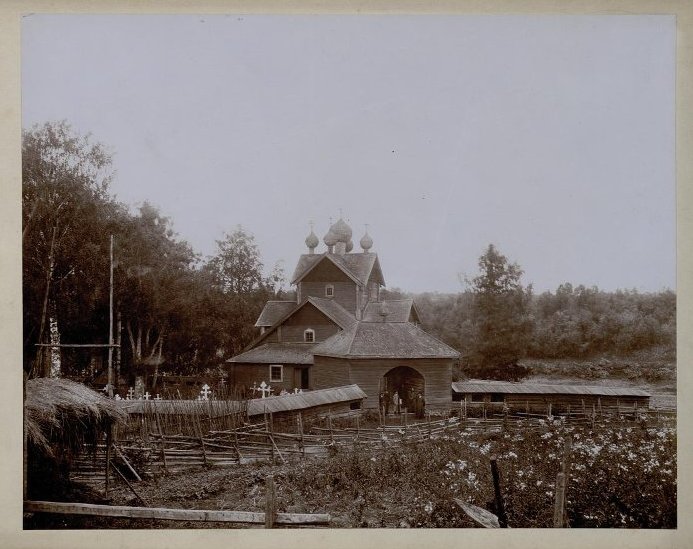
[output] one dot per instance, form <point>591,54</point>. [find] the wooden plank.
<point>479,515</point>
<point>160,513</point>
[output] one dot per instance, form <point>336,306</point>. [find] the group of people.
<point>411,400</point>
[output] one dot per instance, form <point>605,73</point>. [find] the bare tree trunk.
<point>118,357</point>
<point>43,364</point>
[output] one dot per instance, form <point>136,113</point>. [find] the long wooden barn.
<point>537,396</point>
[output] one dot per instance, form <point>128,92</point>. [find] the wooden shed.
<point>537,397</point>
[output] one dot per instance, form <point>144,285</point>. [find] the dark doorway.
<point>304,378</point>
<point>407,383</point>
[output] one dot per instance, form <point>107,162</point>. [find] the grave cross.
<point>265,389</point>
<point>157,397</point>
<point>205,392</point>
<point>147,395</point>
<point>131,394</point>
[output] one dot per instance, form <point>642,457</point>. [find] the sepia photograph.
<point>349,271</point>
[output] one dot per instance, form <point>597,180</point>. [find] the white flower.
<point>428,507</point>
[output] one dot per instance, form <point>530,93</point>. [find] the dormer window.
<point>309,336</point>
<point>329,290</point>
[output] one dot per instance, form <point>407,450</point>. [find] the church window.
<point>329,290</point>
<point>309,336</point>
<point>276,372</point>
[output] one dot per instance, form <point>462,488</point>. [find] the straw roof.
<point>62,414</point>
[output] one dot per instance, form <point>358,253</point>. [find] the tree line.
<point>172,306</point>
<point>497,321</point>
<point>177,310</point>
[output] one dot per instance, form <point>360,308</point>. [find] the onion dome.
<point>342,231</point>
<point>366,242</point>
<point>312,240</point>
<point>330,239</point>
<point>349,246</point>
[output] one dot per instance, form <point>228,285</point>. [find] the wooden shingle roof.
<point>308,399</point>
<point>273,311</point>
<point>384,340</point>
<point>399,310</point>
<point>277,353</point>
<point>330,308</point>
<point>357,266</point>
<point>333,310</point>
<point>507,387</point>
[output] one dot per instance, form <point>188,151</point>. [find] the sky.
<point>551,137</point>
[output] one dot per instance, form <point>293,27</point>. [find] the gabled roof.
<point>399,310</point>
<point>357,266</point>
<point>507,387</point>
<point>308,399</point>
<point>330,308</point>
<point>277,353</point>
<point>384,340</point>
<point>333,310</point>
<point>273,311</point>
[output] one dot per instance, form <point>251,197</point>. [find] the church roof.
<point>357,266</point>
<point>273,311</point>
<point>278,353</point>
<point>399,310</point>
<point>333,310</point>
<point>329,307</point>
<point>384,340</point>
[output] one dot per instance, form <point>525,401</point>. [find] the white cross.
<point>264,388</point>
<point>147,395</point>
<point>205,392</point>
<point>131,394</point>
<point>157,397</point>
<point>222,382</point>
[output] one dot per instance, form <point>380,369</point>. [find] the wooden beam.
<point>94,345</point>
<point>159,513</point>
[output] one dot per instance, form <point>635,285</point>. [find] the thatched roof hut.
<point>63,415</point>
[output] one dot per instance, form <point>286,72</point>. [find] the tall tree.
<point>154,269</point>
<point>500,316</point>
<point>239,290</point>
<point>66,207</point>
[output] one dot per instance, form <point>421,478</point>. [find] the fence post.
<point>560,499</point>
<point>329,422</point>
<point>270,502</point>
<point>429,424</point>
<point>109,436</point>
<point>300,432</point>
<point>500,508</point>
<point>594,415</point>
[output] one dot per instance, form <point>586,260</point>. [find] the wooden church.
<point>340,332</point>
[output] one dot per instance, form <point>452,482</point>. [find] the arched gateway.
<point>407,383</point>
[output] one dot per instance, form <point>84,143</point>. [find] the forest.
<point>179,312</point>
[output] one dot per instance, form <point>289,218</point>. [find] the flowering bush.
<point>620,475</point>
